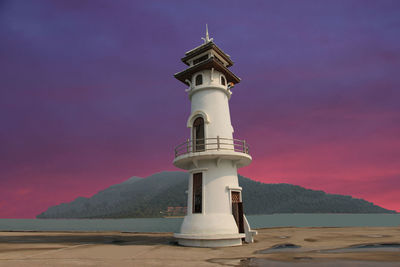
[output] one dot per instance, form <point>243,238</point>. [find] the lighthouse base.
<point>209,230</point>
<point>210,241</point>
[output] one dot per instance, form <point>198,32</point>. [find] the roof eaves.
<point>200,65</point>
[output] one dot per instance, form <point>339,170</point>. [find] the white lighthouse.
<point>211,155</point>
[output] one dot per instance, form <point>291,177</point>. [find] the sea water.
<point>173,224</point>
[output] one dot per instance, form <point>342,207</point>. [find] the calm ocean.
<point>173,224</point>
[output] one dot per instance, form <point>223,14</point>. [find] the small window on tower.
<point>222,80</point>
<point>199,79</point>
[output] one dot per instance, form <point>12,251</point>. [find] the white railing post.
<point>244,146</point>
<point>217,142</point>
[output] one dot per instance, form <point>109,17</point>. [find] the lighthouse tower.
<point>211,155</point>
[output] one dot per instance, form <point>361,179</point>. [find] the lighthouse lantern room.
<point>211,155</point>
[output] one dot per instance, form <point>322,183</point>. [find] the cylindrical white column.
<point>211,97</point>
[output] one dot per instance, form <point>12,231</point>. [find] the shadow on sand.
<point>89,239</point>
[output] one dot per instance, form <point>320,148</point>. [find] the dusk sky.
<point>88,98</point>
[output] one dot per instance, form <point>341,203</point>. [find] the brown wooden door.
<point>240,211</point>
<point>237,211</point>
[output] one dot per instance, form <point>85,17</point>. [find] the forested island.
<point>151,197</point>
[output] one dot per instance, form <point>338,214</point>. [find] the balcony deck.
<point>191,151</point>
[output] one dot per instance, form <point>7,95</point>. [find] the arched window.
<point>198,135</point>
<point>199,79</point>
<point>222,80</point>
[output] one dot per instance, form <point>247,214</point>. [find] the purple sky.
<point>88,98</point>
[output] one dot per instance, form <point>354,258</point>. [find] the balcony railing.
<point>211,144</point>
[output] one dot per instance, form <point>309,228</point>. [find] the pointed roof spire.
<point>207,39</point>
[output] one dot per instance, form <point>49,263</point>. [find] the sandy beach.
<point>350,246</point>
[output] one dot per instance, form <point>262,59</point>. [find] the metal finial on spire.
<point>207,39</point>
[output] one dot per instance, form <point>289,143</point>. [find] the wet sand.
<point>349,246</point>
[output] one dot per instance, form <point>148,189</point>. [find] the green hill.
<point>146,197</point>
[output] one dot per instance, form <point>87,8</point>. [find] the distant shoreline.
<point>182,216</point>
<point>133,232</point>
<point>173,224</point>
